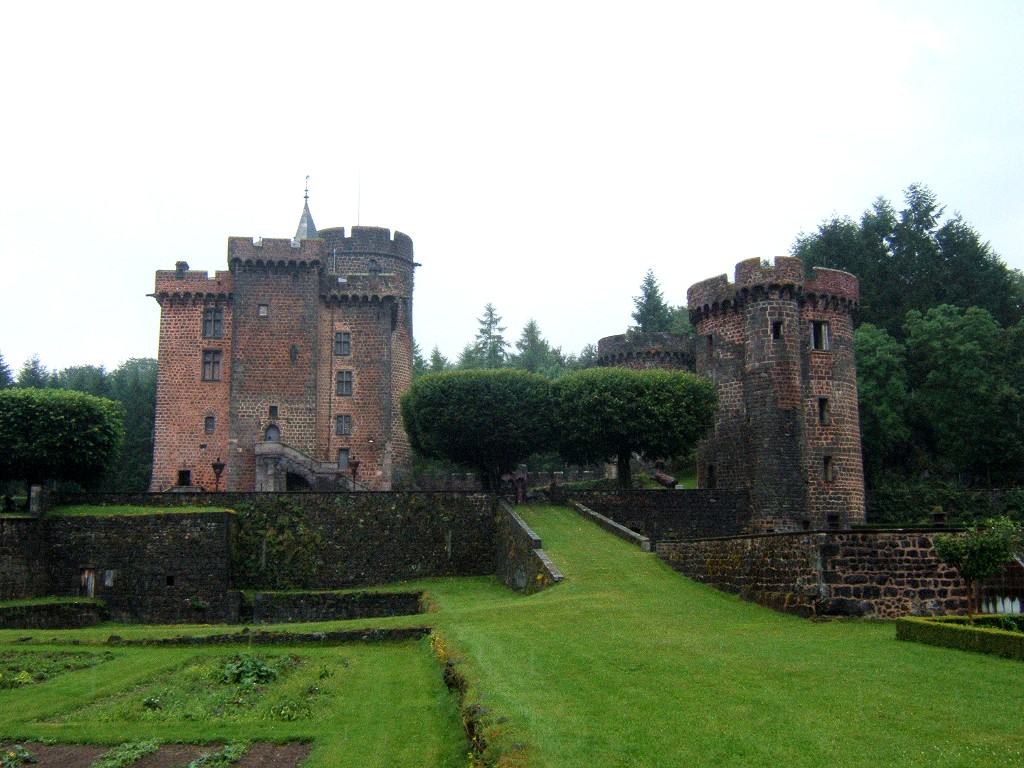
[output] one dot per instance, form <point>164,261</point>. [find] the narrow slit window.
<point>824,411</point>
<point>710,346</point>
<point>828,469</point>
<point>776,329</point>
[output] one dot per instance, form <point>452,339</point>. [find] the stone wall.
<point>53,614</point>
<point>164,567</point>
<point>520,562</point>
<point>669,514</point>
<point>365,538</point>
<point>22,559</point>
<point>287,607</point>
<point>878,574</point>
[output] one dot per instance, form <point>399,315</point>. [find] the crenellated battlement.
<point>192,285</point>
<point>647,350</point>
<point>757,279</point>
<point>274,252</point>
<point>377,241</point>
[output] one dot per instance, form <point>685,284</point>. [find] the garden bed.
<point>260,755</point>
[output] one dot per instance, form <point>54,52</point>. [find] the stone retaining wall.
<point>291,607</point>
<point>670,514</point>
<point>158,568</point>
<point>879,574</point>
<point>520,563</point>
<point>22,559</point>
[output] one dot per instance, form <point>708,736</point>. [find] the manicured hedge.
<point>950,634</point>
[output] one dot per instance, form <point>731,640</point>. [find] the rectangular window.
<point>342,343</point>
<point>824,416</point>
<point>184,477</point>
<point>213,323</point>
<point>819,334</point>
<point>272,412</point>
<point>262,310</point>
<point>829,469</point>
<point>211,365</point>
<point>210,425</point>
<point>343,424</point>
<point>777,329</point>
<point>711,346</point>
<point>343,384</point>
<point>343,458</point>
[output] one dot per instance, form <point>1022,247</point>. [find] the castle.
<point>779,347</point>
<point>284,371</point>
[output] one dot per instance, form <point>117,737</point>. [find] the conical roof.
<point>307,229</point>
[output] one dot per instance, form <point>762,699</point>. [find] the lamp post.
<point>353,464</point>
<point>218,469</point>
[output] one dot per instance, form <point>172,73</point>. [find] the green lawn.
<point>625,663</point>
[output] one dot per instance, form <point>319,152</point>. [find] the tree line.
<point>132,385</point>
<point>939,344</point>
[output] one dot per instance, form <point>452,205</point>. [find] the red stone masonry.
<point>183,399</point>
<point>779,347</point>
<point>283,301</point>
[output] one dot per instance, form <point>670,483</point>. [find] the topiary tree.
<point>51,434</point>
<point>612,413</point>
<point>488,420</point>
<point>979,553</point>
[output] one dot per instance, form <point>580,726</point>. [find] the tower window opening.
<point>710,346</point>
<point>828,469</point>
<point>819,334</point>
<point>343,424</point>
<point>262,310</point>
<point>776,329</point>
<point>824,411</point>
<point>211,365</point>
<point>711,476</point>
<point>272,412</point>
<point>213,323</point>
<point>342,343</point>
<point>343,384</point>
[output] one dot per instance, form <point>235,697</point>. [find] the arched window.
<point>273,434</point>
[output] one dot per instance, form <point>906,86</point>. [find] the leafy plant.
<point>126,754</point>
<point>230,754</point>
<point>247,670</point>
<point>15,756</point>
<point>980,552</point>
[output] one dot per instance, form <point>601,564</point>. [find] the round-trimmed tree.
<point>612,413</point>
<point>489,420</point>
<point>52,434</point>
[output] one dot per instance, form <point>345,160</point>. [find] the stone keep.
<point>779,347</point>
<point>287,367</point>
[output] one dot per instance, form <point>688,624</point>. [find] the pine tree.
<point>490,343</point>
<point>33,375</point>
<point>438,362</point>
<point>6,377</point>
<point>652,314</point>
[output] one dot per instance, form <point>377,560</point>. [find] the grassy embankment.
<point>624,664</point>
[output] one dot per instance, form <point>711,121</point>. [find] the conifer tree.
<point>652,314</point>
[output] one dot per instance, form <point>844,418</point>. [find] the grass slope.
<point>626,663</point>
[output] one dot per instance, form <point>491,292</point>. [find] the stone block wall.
<point>878,574</point>
<point>520,562</point>
<point>22,559</point>
<point>162,568</point>
<point>288,607</point>
<point>669,514</point>
<point>366,538</point>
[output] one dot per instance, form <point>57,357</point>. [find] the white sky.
<point>542,155</point>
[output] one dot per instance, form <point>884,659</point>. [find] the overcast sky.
<point>541,155</point>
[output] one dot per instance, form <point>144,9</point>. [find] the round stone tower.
<point>779,347</point>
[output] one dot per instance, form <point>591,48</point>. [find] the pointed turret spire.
<point>307,229</point>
